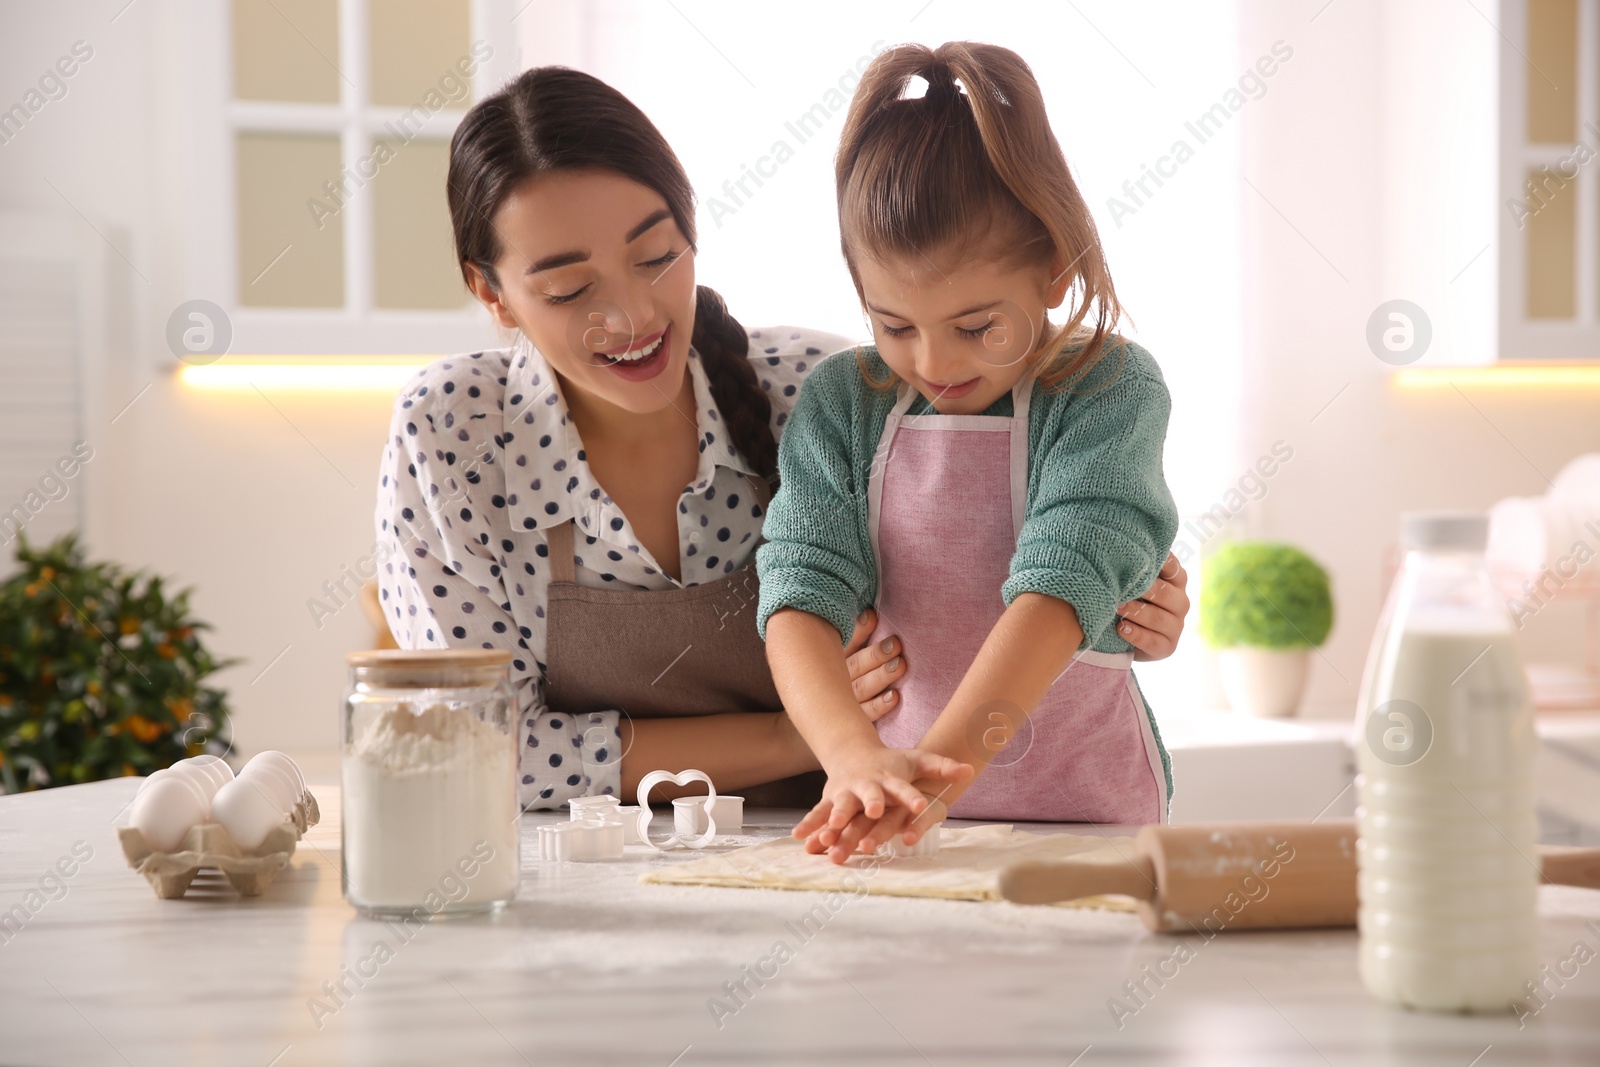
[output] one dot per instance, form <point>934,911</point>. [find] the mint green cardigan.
<point>1099,518</point>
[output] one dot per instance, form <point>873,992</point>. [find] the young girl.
<point>989,481</point>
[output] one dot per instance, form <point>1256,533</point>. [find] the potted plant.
<point>1264,607</point>
<point>101,672</point>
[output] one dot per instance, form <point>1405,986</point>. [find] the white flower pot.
<point>1265,682</point>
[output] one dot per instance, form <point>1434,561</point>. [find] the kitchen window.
<point>318,216</point>
<point>1549,229</point>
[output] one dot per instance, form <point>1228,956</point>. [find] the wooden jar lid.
<point>428,666</point>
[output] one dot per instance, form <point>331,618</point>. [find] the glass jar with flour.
<point>427,764</point>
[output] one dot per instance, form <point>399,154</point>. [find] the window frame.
<point>1522,338</point>
<point>210,235</point>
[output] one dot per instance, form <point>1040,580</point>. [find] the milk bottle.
<point>1445,745</point>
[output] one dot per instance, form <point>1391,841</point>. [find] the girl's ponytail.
<point>746,411</point>
<point>973,156</point>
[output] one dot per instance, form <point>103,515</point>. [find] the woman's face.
<point>597,275</point>
<point>959,328</point>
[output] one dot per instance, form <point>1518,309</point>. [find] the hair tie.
<point>940,82</point>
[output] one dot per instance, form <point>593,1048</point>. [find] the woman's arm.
<point>1153,623</point>
<point>735,751</point>
<point>748,749</point>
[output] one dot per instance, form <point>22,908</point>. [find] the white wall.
<point>1119,96</point>
<point>1378,153</point>
<point>227,493</point>
<point>258,503</point>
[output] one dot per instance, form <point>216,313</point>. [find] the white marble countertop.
<point>588,966</point>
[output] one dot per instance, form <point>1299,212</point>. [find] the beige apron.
<point>657,653</point>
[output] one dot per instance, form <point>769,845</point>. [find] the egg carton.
<point>209,847</point>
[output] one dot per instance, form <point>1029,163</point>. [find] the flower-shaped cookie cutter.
<point>655,778</point>
<point>584,841</point>
<point>607,809</point>
<point>604,806</point>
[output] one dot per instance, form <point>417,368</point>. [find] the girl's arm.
<point>1029,647</point>
<point>1024,654</point>
<point>807,670</point>
<point>864,776</point>
<point>817,573</point>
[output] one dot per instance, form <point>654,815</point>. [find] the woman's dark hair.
<point>553,119</point>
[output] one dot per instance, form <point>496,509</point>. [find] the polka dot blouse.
<point>482,460</point>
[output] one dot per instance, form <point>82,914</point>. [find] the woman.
<point>592,497</point>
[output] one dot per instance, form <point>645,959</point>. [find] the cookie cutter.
<point>607,809</point>
<point>927,845</point>
<point>629,814</point>
<point>585,841</point>
<point>689,814</point>
<point>604,805</point>
<point>655,778</point>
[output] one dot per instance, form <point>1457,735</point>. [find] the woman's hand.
<point>866,784</point>
<point>1153,623</point>
<point>874,668</point>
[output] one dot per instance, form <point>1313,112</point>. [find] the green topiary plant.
<point>100,673</point>
<point>1264,595</point>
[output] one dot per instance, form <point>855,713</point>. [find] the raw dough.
<point>967,866</point>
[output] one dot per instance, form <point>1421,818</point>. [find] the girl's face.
<point>959,329</point>
<point>597,275</point>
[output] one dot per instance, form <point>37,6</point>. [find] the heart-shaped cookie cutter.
<point>655,778</point>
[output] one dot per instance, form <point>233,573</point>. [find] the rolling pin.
<point>1240,876</point>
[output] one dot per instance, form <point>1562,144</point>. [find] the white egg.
<point>281,760</point>
<point>247,811</point>
<point>190,782</point>
<point>165,810</point>
<point>273,781</point>
<point>214,768</point>
<point>203,780</point>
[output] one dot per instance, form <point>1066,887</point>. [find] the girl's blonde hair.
<point>958,168</point>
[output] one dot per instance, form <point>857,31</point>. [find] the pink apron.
<point>946,500</point>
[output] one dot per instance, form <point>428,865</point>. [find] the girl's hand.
<point>866,835</point>
<point>1153,623</point>
<point>867,781</point>
<point>873,668</point>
